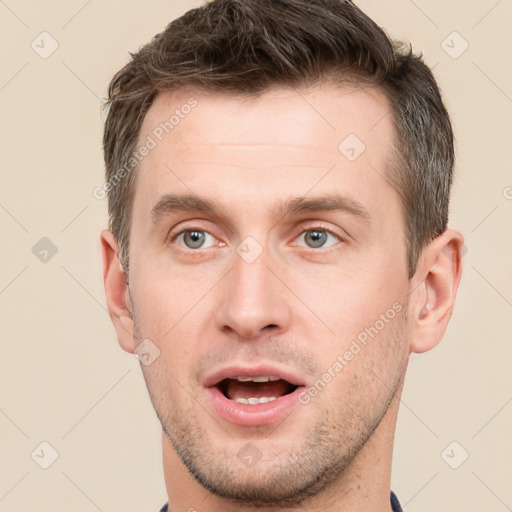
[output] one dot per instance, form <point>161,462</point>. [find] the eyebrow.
<point>170,203</point>
<point>332,202</point>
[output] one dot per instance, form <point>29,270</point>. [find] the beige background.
<point>63,378</point>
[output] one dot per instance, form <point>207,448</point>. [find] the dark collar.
<point>395,504</point>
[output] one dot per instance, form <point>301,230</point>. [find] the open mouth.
<point>253,396</point>
<point>255,390</point>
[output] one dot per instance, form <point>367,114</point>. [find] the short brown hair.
<point>245,47</point>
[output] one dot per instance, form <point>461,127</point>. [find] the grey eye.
<point>315,238</point>
<point>194,239</point>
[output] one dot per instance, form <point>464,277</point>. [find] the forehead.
<point>282,140</point>
<point>328,108</point>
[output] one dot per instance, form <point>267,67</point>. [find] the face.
<point>268,265</point>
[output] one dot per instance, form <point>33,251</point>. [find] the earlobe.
<point>438,273</point>
<point>117,292</point>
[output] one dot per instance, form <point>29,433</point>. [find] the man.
<point>278,176</point>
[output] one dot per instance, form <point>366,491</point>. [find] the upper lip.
<point>264,370</point>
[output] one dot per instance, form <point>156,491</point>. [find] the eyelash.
<point>303,230</point>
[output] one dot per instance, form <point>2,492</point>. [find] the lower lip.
<point>252,415</point>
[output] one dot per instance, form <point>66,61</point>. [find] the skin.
<point>295,306</point>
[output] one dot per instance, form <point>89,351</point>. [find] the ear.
<point>117,292</point>
<point>435,285</point>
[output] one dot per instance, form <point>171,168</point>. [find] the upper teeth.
<point>256,379</point>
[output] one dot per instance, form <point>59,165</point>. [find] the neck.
<point>364,486</point>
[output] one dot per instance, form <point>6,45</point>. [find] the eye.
<point>317,239</point>
<point>195,239</point>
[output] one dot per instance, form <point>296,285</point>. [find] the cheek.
<point>165,300</point>
<point>174,311</point>
<point>349,302</point>
<point>367,368</point>
<point>367,337</point>
<point>169,378</point>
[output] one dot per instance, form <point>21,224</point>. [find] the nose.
<point>253,300</point>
